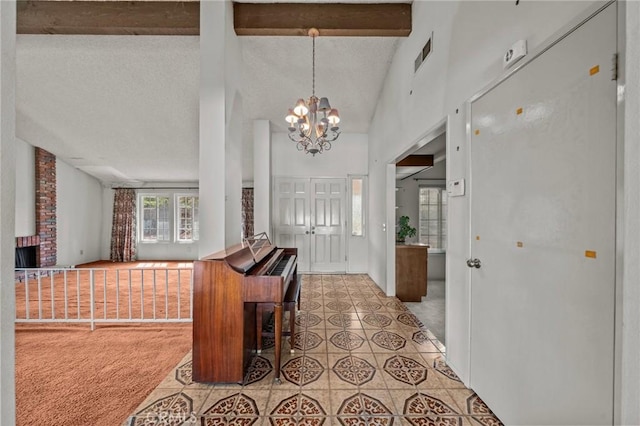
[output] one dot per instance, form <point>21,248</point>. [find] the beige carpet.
<point>69,375</point>
<point>74,376</point>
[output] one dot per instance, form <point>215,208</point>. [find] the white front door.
<point>292,217</point>
<point>543,205</point>
<point>328,225</point>
<point>310,215</point>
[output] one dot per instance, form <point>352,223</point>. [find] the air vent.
<point>423,54</point>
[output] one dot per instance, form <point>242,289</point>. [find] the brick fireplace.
<point>42,247</point>
<point>28,252</point>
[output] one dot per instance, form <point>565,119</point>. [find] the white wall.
<point>25,189</point>
<point>79,214</point>
<point>233,163</point>
<point>348,156</point>
<point>469,39</point>
<point>262,175</point>
<point>7,210</point>
<point>107,219</point>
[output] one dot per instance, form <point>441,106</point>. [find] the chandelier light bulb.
<point>334,117</point>
<point>291,117</point>
<point>301,108</point>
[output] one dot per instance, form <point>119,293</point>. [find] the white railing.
<point>104,295</point>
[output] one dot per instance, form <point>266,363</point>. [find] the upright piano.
<point>227,286</point>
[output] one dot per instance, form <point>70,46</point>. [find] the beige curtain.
<point>247,212</point>
<point>123,231</point>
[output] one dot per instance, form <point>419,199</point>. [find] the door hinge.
<point>614,67</point>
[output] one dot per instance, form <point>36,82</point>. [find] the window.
<point>187,218</point>
<point>164,220</point>
<point>433,217</point>
<point>357,206</point>
<point>155,218</point>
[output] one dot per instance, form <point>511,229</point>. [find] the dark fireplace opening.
<point>26,257</point>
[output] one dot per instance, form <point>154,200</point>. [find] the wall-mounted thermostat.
<point>455,188</point>
<point>517,52</point>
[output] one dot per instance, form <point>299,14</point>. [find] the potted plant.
<point>404,229</point>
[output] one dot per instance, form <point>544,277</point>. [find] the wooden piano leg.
<point>277,313</point>
<point>292,326</point>
<point>259,311</point>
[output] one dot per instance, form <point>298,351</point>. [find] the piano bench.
<point>290,302</point>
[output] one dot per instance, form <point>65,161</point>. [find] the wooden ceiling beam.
<point>416,161</point>
<point>332,19</point>
<point>108,17</point>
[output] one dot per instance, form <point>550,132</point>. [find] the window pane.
<point>187,222</point>
<point>163,219</point>
<point>196,224</point>
<point>357,217</point>
<point>433,212</point>
<point>149,219</point>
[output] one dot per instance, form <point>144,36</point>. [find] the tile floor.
<point>361,358</point>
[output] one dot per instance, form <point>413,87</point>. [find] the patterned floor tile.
<point>354,370</point>
<point>346,340</point>
<point>307,340</point>
<point>298,406</point>
<point>302,370</point>
<point>388,340</point>
<point>366,408</point>
<point>172,410</point>
<point>376,320</point>
<point>308,319</point>
<point>338,306</point>
<point>433,420</point>
<point>341,320</point>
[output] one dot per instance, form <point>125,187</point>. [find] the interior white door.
<point>292,217</point>
<point>309,214</point>
<point>328,225</point>
<point>543,197</point>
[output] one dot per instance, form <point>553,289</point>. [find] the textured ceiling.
<point>125,108</point>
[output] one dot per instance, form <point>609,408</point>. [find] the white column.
<point>630,346</point>
<point>212,127</point>
<point>7,210</point>
<point>390,285</point>
<point>262,177</point>
<point>233,205</point>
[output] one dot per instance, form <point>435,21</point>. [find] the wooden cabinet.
<point>411,272</point>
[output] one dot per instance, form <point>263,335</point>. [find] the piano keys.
<point>228,285</point>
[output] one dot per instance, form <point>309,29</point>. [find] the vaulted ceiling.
<point>125,107</point>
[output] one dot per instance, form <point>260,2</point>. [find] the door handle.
<point>306,232</point>
<point>473,263</point>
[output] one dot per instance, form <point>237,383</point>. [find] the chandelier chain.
<point>313,68</point>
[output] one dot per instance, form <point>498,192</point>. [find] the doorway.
<point>422,197</point>
<point>309,214</point>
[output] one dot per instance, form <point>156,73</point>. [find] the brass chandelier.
<point>313,125</point>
